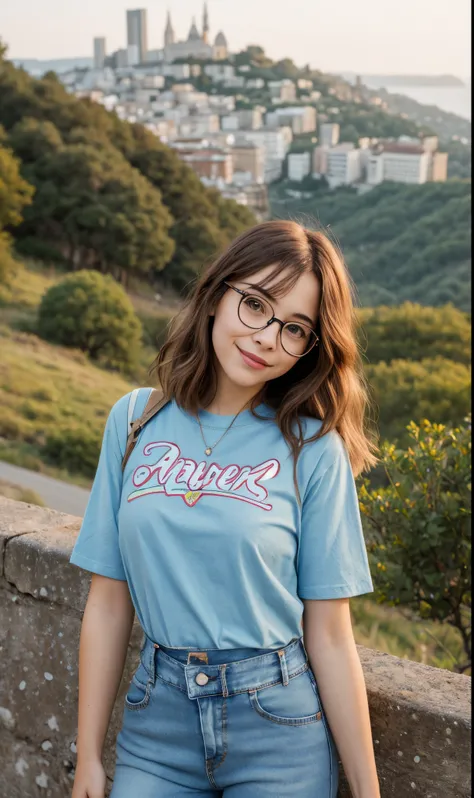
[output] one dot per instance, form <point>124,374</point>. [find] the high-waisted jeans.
<point>237,723</point>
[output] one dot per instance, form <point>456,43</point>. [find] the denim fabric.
<point>239,723</point>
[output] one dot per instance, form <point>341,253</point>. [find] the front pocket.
<point>294,704</point>
<point>139,689</point>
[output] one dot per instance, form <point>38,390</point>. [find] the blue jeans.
<point>237,723</point>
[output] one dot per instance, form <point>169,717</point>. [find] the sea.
<point>454,99</point>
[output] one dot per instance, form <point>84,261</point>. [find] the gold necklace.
<point>209,449</point>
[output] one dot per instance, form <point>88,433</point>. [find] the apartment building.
<point>301,119</point>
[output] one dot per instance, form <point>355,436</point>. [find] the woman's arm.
<point>332,652</point>
<point>105,634</point>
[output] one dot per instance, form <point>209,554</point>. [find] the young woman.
<point>234,534</point>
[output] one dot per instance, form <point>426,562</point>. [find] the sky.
<point>364,36</point>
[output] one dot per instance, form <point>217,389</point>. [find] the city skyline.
<point>347,38</point>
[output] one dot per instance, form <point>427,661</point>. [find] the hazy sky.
<point>367,36</point>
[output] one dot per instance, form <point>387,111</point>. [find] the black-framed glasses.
<point>296,337</point>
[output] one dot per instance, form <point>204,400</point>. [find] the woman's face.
<point>235,344</point>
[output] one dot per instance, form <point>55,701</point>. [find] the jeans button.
<point>201,679</point>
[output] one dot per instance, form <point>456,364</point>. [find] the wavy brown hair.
<point>326,384</point>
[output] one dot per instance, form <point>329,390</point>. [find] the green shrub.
<point>154,330</point>
<point>91,312</point>
<point>75,448</point>
<point>418,528</point>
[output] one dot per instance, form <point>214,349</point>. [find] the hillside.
<point>400,242</point>
<point>130,206</point>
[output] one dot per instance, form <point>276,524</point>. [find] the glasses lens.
<point>254,311</point>
<point>297,339</point>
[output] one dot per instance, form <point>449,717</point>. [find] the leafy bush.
<point>415,332</point>
<point>91,312</point>
<point>406,390</point>
<point>418,528</point>
<point>75,448</point>
<point>154,329</point>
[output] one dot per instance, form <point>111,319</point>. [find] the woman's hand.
<point>89,781</point>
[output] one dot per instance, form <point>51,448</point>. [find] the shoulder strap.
<point>131,407</point>
<point>156,401</point>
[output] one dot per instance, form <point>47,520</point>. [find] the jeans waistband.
<point>201,680</point>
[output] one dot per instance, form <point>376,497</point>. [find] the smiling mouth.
<point>252,360</point>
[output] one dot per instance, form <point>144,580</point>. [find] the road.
<point>57,495</point>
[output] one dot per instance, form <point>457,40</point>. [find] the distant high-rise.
<point>137,31</point>
<point>99,52</point>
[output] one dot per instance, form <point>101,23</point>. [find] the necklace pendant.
<point>208,451</point>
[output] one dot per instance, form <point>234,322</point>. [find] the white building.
<point>299,165</point>
<point>236,82</point>
<point>400,162</point>
<point>320,161</point>
<point>255,83</point>
<point>222,103</point>
<point>275,144</point>
<point>301,119</point>
<point>282,90</point>
<point>329,134</point>
<point>197,125</point>
<point>344,165</point>
<point>219,72</point>
<point>245,119</point>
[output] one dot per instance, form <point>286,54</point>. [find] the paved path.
<point>58,495</point>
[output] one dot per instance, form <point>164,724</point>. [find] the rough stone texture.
<point>420,715</point>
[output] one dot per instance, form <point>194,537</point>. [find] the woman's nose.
<point>269,335</point>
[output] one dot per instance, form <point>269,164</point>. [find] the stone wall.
<point>420,715</point>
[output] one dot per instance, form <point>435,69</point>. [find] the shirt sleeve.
<point>97,544</point>
<point>332,558</point>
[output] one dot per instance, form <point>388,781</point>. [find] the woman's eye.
<point>255,305</point>
<point>296,331</point>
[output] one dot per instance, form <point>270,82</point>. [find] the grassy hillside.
<point>400,242</point>
<point>47,391</point>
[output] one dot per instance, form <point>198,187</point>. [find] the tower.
<point>205,24</point>
<point>137,32</point>
<point>99,52</point>
<point>193,34</point>
<point>169,32</point>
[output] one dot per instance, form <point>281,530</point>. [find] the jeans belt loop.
<point>154,661</point>
<point>284,667</point>
<point>225,690</point>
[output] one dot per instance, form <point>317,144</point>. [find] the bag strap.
<point>131,408</point>
<point>156,401</point>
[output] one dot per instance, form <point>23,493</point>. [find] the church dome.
<point>193,33</point>
<point>220,40</point>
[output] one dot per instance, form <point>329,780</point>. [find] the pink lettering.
<point>183,476</point>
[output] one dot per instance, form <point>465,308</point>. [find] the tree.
<point>106,215</point>
<point>31,139</point>
<point>413,332</point>
<point>203,222</point>
<point>407,390</point>
<point>91,312</point>
<point>418,528</point>
<point>15,194</point>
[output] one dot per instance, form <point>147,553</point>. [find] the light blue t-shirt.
<point>216,550</point>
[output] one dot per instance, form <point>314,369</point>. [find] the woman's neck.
<point>230,400</point>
